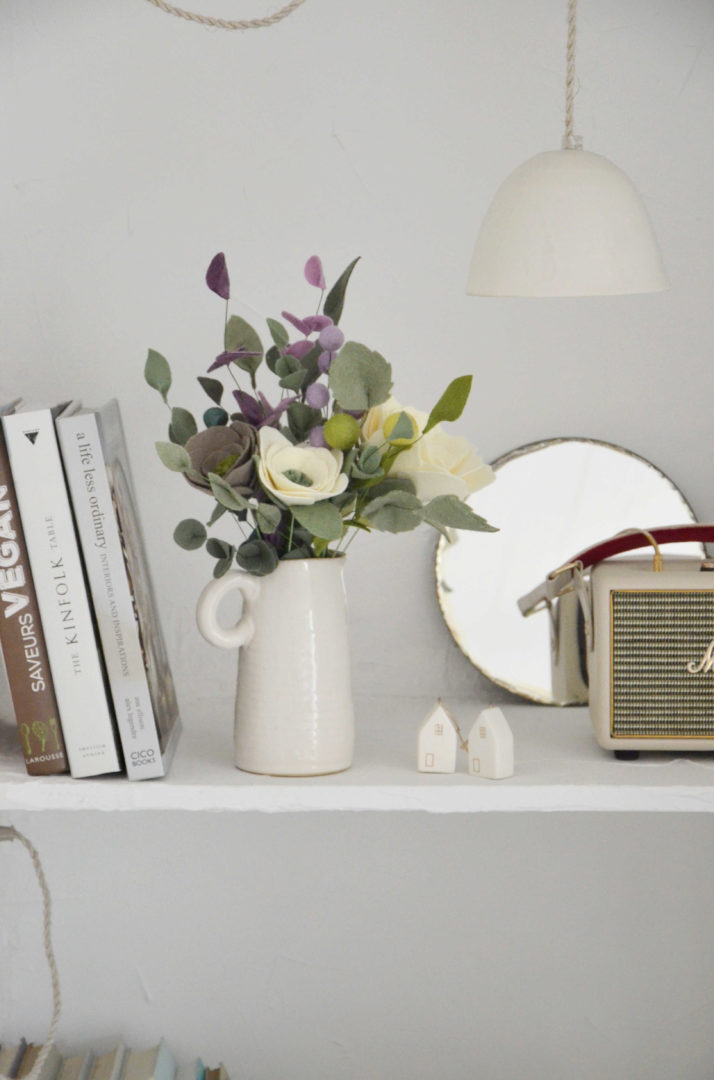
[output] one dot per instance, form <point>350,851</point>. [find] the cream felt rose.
<point>441,464</point>
<point>298,475</point>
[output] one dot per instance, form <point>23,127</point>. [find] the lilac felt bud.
<point>313,272</point>
<point>317,437</point>
<point>331,338</point>
<point>317,395</point>
<point>324,360</point>
<point>217,276</point>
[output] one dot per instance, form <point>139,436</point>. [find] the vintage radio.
<point>648,635</point>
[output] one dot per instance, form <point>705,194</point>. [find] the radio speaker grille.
<point>654,636</point>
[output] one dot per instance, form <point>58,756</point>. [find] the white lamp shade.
<point>566,223</point>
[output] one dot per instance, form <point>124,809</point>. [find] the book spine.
<point>23,642</point>
<point>87,721</point>
<point>100,540</point>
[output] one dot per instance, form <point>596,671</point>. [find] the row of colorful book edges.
<point>117,1063</point>
<point>81,640</point>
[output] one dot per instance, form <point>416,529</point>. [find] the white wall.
<point>135,146</point>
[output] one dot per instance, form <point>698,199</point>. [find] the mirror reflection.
<point>550,500</point>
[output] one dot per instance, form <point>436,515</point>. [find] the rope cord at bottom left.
<point>10,833</point>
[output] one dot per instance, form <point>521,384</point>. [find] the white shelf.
<point>559,767</point>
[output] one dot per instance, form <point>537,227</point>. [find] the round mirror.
<point>550,500</point>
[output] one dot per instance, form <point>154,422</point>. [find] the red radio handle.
<point>560,580</point>
<point>632,540</point>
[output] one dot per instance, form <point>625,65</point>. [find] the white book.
<point>96,465</point>
<point>86,715</point>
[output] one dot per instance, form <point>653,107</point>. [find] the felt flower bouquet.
<point>332,453</point>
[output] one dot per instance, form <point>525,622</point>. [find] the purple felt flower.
<point>217,276</point>
<point>227,357</point>
<point>316,323</point>
<point>316,436</point>
<point>299,324</point>
<point>258,412</point>
<point>313,272</point>
<point>311,324</point>
<point>299,348</point>
<point>317,395</point>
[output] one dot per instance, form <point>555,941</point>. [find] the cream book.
<point>109,1066</point>
<point>155,1064</point>
<point>76,1067</point>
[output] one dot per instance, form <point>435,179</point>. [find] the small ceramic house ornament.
<point>491,746</point>
<point>437,743</point>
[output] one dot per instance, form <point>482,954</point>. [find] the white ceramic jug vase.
<point>294,713</point>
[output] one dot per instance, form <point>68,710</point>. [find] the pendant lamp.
<point>566,223</point>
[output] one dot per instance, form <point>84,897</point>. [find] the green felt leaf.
<point>403,429</point>
<point>174,457</point>
<point>240,335</point>
<point>309,365</point>
<point>225,494</point>
<point>219,549</point>
<point>450,512</point>
<point>395,512</point>
<point>158,373</point>
<point>271,357</point>
<point>335,299</point>
<point>213,388</point>
<point>321,519</point>
<point>368,465</point>
<point>297,553</point>
<point>222,566</point>
<point>359,378</point>
<point>392,483</point>
<point>285,365</point>
<point>218,512</point>
<point>278,333</point>
<point>370,460</point>
<point>190,534</point>
<point>451,404</point>
<point>183,425</point>
<point>267,517</point>
<point>293,381</point>
<point>302,419</point>
<point>257,557</point>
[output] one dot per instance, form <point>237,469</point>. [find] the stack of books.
<point>116,1063</point>
<point>80,636</point>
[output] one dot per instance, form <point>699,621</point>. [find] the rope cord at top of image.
<point>228,24</point>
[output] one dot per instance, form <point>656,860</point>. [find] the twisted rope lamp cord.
<point>14,834</point>
<point>228,24</point>
<point>571,141</point>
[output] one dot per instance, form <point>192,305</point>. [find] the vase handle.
<point>209,601</point>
